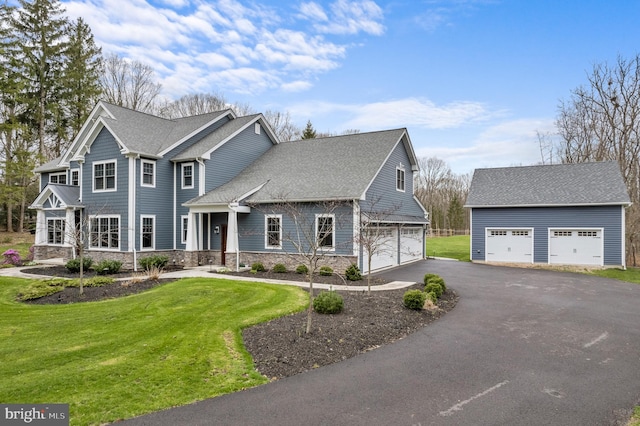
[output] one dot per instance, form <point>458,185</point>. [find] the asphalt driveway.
<point>522,347</point>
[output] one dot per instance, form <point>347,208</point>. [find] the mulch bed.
<point>333,279</point>
<point>281,348</point>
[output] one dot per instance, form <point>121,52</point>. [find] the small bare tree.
<point>308,235</point>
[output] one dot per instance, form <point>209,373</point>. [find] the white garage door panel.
<point>411,243</point>
<point>509,245</point>
<point>575,247</point>
<point>387,253</point>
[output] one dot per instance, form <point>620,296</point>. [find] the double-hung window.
<point>148,170</point>
<point>273,231</point>
<point>75,177</point>
<point>400,179</point>
<point>104,232</point>
<point>325,231</point>
<point>104,176</point>
<point>55,231</point>
<point>185,226</point>
<point>187,175</point>
<point>147,232</point>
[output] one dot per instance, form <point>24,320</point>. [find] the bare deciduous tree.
<point>130,84</point>
<point>601,121</point>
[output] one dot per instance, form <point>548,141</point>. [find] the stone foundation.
<point>291,261</point>
<point>51,252</point>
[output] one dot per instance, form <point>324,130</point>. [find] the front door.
<point>223,244</point>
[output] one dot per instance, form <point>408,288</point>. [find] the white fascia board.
<point>85,131</point>
<point>408,146</point>
<point>195,132</point>
<point>500,206</point>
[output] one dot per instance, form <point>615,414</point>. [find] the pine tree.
<point>309,132</point>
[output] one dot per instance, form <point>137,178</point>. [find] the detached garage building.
<point>565,214</point>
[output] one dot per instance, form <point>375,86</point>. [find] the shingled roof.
<point>598,183</point>
<point>339,167</point>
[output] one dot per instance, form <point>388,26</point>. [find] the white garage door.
<point>509,245</point>
<point>411,244</point>
<point>386,253</point>
<point>576,247</point>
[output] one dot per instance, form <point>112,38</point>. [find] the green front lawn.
<point>173,345</point>
<point>631,275</point>
<point>456,247</point>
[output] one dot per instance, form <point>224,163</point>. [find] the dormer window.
<point>400,178</point>
<point>59,178</point>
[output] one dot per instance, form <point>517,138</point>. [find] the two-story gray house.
<point>219,189</point>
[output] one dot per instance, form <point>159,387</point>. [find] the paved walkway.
<point>205,271</point>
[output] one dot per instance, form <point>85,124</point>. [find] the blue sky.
<point>472,80</point>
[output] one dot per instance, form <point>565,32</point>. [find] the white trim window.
<point>147,232</point>
<point>325,231</point>
<point>256,128</point>
<point>400,182</point>
<point>104,176</point>
<point>148,173</point>
<point>273,231</point>
<point>184,221</point>
<point>187,175</point>
<point>59,178</point>
<point>104,232</point>
<point>55,231</point>
<point>75,177</point>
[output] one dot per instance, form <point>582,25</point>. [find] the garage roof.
<point>597,183</point>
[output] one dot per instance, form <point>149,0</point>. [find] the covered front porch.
<point>211,235</point>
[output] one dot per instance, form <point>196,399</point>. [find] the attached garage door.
<point>509,245</point>
<point>386,254</point>
<point>576,247</point>
<point>411,244</point>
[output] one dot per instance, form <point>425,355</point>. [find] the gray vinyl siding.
<point>156,201</point>
<point>103,148</point>
<point>235,155</point>
<point>184,195</point>
<point>542,218</point>
<point>382,195</point>
<point>252,228</point>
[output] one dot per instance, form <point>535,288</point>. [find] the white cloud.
<point>226,39</point>
<point>504,144</point>
<point>345,17</point>
<point>409,112</point>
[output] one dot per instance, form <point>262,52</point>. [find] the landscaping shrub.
<point>39,289</point>
<point>302,269</point>
<point>326,271</point>
<point>428,277</point>
<point>258,267</point>
<point>12,257</point>
<point>157,261</point>
<point>279,268</point>
<point>353,273</point>
<point>328,302</point>
<point>73,265</point>
<point>434,287</point>
<point>108,267</point>
<point>438,280</point>
<point>414,299</point>
<point>98,281</point>
<point>432,296</point>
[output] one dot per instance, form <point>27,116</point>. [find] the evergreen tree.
<point>41,34</point>
<point>309,132</point>
<point>81,80</point>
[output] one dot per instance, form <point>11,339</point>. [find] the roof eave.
<point>485,206</point>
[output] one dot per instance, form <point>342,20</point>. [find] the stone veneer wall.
<point>337,262</point>
<point>51,252</point>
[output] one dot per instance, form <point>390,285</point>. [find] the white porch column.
<point>232,231</point>
<point>41,228</point>
<point>69,228</point>
<point>192,236</point>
